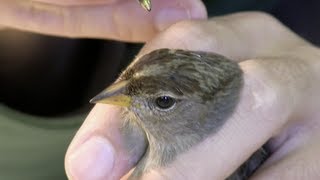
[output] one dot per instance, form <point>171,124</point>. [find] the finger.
<point>263,111</point>
<point>75,2</point>
<point>98,150</point>
<point>121,20</point>
<point>297,159</point>
<point>239,36</point>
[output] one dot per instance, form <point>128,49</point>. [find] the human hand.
<point>111,19</point>
<point>279,101</point>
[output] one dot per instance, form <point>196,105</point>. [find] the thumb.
<point>99,150</point>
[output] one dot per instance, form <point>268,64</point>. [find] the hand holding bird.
<point>177,98</point>
<point>278,101</point>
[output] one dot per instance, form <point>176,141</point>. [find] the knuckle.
<point>181,30</point>
<point>259,15</point>
<point>259,21</point>
<point>264,96</point>
<point>184,25</point>
<point>254,17</point>
<point>181,34</point>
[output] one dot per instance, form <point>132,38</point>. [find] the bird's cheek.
<point>136,106</point>
<point>135,140</point>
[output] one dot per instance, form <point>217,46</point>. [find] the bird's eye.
<point>165,102</point>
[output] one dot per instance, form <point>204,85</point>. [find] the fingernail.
<point>169,16</point>
<point>93,160</point>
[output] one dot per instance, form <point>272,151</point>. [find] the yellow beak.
<point>114,95</point>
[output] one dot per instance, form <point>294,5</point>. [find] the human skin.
<point>279,102</point>
<point>107,19</point>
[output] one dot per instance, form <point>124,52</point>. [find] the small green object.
<point>146,4</point>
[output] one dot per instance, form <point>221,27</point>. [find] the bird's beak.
<point>114,95</point>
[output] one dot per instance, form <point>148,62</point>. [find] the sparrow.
<point>171,100</point>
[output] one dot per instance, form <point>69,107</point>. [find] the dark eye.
<point>165,102</point>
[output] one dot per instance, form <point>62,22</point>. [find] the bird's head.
<point>176,95</point>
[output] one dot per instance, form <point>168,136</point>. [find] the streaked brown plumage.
<point>172,100</point>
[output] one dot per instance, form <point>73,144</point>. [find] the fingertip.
<point>93,160</point>
<point>99,150</point>
<point>93,153</point>
<point>197,10</point>
<point>167,16</point>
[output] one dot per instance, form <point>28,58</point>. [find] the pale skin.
<point>280,97</point>
<point>279,101</point>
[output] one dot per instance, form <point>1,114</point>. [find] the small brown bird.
<point>174,99</point>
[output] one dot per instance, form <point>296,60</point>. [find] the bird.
<point>173,99</point>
